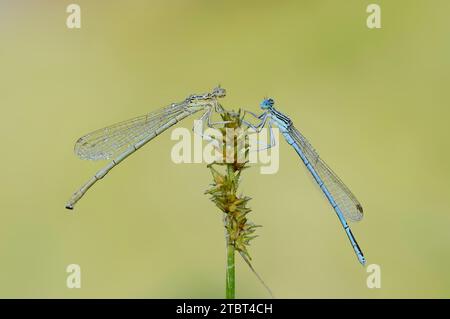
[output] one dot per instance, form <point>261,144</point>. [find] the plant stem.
<point>230,273</point>
<point>230,276</point>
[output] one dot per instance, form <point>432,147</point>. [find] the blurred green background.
<point>375,103</point>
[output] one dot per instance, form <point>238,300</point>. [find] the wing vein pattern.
<point>344,198</point>
<point>104,143</point>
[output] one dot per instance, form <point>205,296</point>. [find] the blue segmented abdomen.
<point>330,198</point>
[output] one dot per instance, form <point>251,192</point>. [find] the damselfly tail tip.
<point>69,206</point>
<point>362,260</point>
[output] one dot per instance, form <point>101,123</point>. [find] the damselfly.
<point>340,197</point>
<point>125,138</point>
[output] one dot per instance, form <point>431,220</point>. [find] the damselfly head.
<point>219,92</point>
<point>267,103</point>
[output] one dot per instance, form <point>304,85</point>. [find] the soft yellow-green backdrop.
<point>375,103</point>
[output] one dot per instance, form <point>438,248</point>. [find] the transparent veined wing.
<point>104,143</point>
<point>344,198</point>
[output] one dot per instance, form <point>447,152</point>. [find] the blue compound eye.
<point>267,103</point>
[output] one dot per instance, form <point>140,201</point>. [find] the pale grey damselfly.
<point>124,138</point>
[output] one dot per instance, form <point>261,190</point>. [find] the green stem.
<point>230,284</point>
